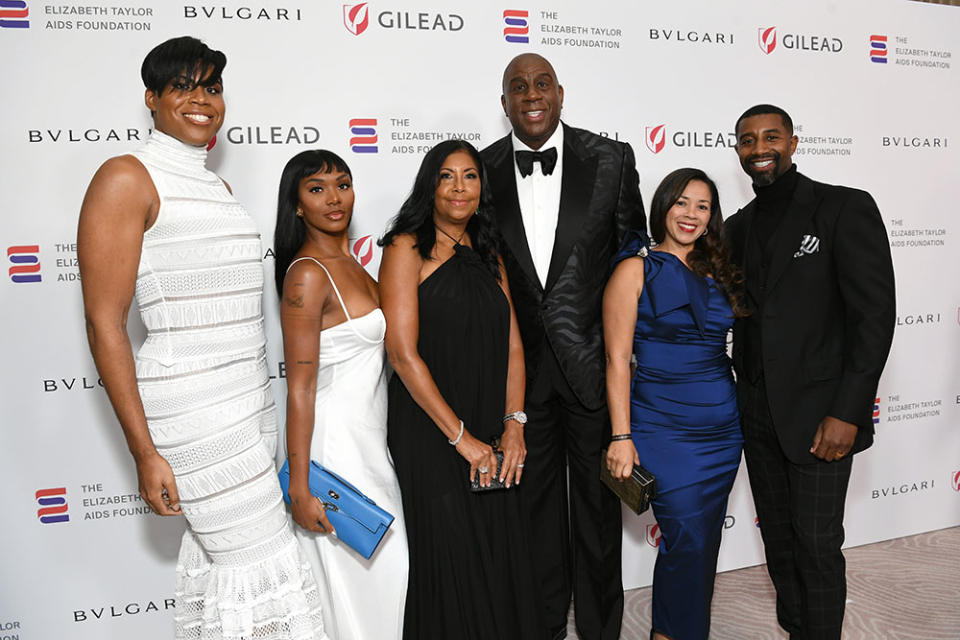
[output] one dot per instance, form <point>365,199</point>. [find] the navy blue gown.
<point>686,428</point>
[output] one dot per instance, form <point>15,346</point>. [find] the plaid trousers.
<point>800,511</point>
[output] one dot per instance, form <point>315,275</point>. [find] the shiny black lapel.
<point>790,234</point>
<point>576,191</point>
<point>503,181</point>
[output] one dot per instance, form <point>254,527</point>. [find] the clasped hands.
<point>481,456</point>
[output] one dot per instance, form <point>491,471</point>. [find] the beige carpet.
<point>904,589</point>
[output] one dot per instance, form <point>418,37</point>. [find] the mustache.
<point>773,155</point>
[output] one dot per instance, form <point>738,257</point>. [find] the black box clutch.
<point>495,483</point>
<point>636,491</point>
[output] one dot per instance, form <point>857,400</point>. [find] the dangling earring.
<point>299,212</point>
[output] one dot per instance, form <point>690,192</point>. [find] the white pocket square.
<point>809,244</point>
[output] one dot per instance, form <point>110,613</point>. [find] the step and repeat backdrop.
<point>871,84</point>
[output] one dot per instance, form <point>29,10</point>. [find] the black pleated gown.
<point>471,577</point>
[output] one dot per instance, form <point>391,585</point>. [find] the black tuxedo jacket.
<point>829,312</point>
<point>599,201</point>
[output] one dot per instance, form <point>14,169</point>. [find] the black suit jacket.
<point>599,201</point>
<point>828,316</point>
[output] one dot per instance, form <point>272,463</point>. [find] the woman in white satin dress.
<point>333,333</point>
<point>195,404</point>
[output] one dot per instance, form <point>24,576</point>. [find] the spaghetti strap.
<point>330,277</point>
<point>343,306</point>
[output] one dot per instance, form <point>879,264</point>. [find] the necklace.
<point>456,241</point>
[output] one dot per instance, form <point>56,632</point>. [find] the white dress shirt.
<point>539,197</point>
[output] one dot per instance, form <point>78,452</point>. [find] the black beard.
<point>763,178</point>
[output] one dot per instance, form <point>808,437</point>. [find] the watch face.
<point>520,417</point>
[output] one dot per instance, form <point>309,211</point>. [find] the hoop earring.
<point>706,230</point>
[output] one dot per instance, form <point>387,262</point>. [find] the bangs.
<point>322,161</point>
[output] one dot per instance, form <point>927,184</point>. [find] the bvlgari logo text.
<point>93,614</point>
<point>913,319</point>
<point>88,135</point>
<point>915,142</point>
<point>902,489</point>
<point>230,12</point>
<point>689,36</point>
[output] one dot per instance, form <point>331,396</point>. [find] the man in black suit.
<point>819,281</point>
<point>564,198</point>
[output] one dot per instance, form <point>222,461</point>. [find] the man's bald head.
<point>521,60</point>
<point>532,98</point>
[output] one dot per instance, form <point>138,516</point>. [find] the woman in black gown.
<point>453,341</point>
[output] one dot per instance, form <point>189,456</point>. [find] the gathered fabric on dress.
<point>203,380</point>
<point>686,428</point>
<point>362,598</point>
<point>471,575</point>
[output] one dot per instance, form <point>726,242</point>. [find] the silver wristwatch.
<point>519,416</point>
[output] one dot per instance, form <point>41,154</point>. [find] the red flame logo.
<point>656,138</point>
<point>363,250</point>
<point>213,141</point>
<point>355,18</point>
<point>767,39</point>
<point>653,535</point>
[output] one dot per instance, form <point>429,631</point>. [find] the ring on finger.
<point>519,465</point>
<point>483,469</point>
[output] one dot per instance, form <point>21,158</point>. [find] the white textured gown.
<point>362,599</point>
<point>206,393</point>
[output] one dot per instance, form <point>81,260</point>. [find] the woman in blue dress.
<point>677,416</point>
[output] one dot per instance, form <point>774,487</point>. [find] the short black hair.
<point>763,109</point>
<point>183,57</point>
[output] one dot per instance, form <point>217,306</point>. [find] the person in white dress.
<point>333,333</point>
<point>195,404</point>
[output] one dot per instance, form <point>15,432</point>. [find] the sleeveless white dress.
<point>362,599</point>
<point>206,393</point>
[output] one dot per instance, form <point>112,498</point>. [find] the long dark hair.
<point>290,232</point>
<point>710,255</point>
<point>416,213</point>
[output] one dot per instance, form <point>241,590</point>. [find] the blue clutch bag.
<point>359,522</point>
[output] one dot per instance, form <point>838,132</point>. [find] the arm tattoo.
<point>294,302</point>
<point>304,361</point>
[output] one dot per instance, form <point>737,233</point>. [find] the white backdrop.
<point>872,86</point>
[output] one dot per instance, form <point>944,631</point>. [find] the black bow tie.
<point>547,160</point>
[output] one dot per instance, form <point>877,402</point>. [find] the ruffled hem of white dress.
<point>274,598</point>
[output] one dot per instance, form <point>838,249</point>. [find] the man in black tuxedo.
<point>564,198</point>
<point>819,281</point>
